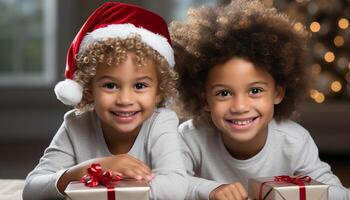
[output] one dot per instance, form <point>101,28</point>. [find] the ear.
<point>159,98</point>
<point>89,95</point>
<point>206,105</point>
<point>279,94</point>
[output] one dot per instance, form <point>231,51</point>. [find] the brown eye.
<point>110,86</point>
<point>223,93</point>
<point>140,86</point>
<point>256,91</point>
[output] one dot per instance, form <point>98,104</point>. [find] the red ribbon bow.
<point>297,180</point>
<point>95,176</point>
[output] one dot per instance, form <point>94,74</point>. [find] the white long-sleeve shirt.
<point>80,138</point>
<point>289,150</point>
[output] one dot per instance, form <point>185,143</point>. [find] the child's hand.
<point>123,165</point>
<point>126,166</point>
<point>233,191</point>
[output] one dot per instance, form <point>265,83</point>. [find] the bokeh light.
<point>343,23</point>
<point>329,56</point>
<point>315,27</point>
<point>298,26</point>
<point>317,96</point>
<point>336,86</point>
<point>338,41</point>
<point>316,69</point>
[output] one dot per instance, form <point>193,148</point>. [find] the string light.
<point>343,23</point>
<point>316,69</point>
<point>320,98</point>
<point>329,56</point>
<point>298,26</point>
<point>315,27</point>
<point>336,86</point>
<point>317,96</point>
<point>338,41</point>
<point>313,93</point>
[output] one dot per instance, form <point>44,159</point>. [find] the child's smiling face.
<point>125,95</point>
<point>240,98</point>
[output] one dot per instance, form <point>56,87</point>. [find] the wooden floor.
<point>18,159</point>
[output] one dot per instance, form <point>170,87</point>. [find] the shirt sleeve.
<point>199,188</point>
<point>41,182</point>
<point>170,180</point>
<point>309,163</point>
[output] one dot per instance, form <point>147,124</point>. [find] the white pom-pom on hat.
<point>69,92</point>
<point>113,20</point>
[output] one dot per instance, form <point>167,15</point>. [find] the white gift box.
<point>123,190</point>
<point>273,190</point>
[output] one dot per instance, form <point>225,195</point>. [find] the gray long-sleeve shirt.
<point>289,150</point>
<point>80,138</point>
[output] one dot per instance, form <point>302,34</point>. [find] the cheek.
<point>149,99</point>
<point>266,106</point>
<point>218,110</point>
<point>103,100</point>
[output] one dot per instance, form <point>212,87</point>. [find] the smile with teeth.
<point>242,122</point>
<point>124,114</point>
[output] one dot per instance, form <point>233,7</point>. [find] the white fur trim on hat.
<point>155,41</point>
<point>69,92</point>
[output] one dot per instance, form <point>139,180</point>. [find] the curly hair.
<point>246,29</point>
<point>113,51</point>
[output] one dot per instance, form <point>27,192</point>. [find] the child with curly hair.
<point>242,73</point>
<point>119,76</point>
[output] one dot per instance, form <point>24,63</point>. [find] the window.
<point>27,38</point>
<point>181,7</point>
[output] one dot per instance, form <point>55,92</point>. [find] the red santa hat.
<point>113,20</point>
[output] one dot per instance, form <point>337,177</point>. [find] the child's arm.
<point>199,188</point>
<point>58,166</point>
<point>309,163</point>
<point>123,165</point>
<point>41,182</point>
<point>163,144</point>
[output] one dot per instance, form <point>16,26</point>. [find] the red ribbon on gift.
<point>297,180</point>
<point>95,176</point>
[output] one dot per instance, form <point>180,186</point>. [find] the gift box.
<point>103,185</point>
<point>287,188</point>
<point>119,190</point>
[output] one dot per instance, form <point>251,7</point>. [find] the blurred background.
<point>35,36</point>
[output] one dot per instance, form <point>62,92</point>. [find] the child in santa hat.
<point>241,74</point>
<point>119,76</point>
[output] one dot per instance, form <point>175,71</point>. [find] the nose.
<point>124,97</point>
<point>240,104</point>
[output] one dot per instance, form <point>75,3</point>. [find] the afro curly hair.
<point>246,29</point>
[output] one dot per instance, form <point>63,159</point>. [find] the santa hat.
<point>113,20</point>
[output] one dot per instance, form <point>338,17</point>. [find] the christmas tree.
<point>329,61</point>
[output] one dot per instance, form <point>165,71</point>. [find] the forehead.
<point>128,67</point>
<point>237,71</point>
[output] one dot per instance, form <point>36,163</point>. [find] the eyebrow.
<point>217,85</point>
<point>112,78</point>
<point>259,82</point>
<point>252,83</point>
<point>144,77</point>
